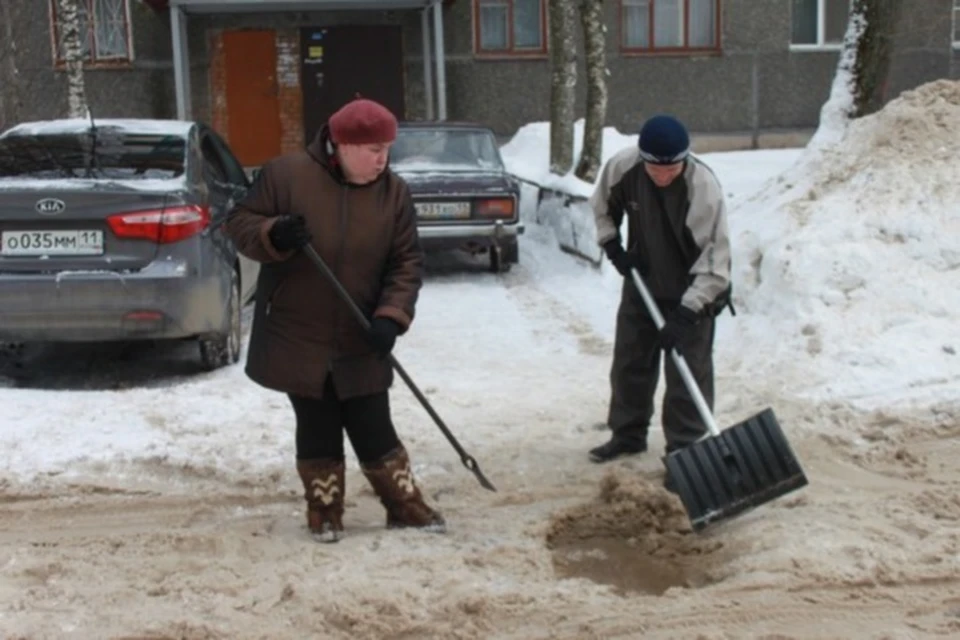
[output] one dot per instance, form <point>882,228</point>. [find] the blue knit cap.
<point>664,140</point>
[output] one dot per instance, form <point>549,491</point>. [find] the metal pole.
<point>441,61</point>
<point>427,70</point>
<point>181,61</point>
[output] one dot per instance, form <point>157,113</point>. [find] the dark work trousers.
<point>636,371</point>
<point>322,421</point>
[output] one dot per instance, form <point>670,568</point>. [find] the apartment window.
<point>671,25</point>
<point>819,23</point>
<point>510,27</point>
<point>104,30</point>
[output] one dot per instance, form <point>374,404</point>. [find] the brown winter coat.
<point>367,235</point>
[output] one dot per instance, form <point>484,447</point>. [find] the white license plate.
<point>443,210</point>
<point>81,242</point>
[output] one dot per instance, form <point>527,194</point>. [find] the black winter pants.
<point>322,421</point>
<point>635,374</point>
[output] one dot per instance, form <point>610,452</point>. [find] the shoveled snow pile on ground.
<point>849,272</point>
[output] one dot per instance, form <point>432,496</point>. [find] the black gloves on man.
<point>289,233</point>
<point>383,335</point>
<point>623,260</point>
<point>678,326</point>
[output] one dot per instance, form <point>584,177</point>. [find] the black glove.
<point>383,335</point>
<point>677,328</point>
<point>625,260</point>
<point>289,233</point>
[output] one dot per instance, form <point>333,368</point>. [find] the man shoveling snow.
<point>678,241</point>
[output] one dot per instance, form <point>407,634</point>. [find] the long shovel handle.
<point>467,460</point>
<point>678,358</point>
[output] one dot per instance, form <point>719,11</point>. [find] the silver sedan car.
<point>112,230</point>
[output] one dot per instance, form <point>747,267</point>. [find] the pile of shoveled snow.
<point>848,269</point>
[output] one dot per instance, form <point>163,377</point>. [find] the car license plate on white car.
<point>443,210</point>
<point>78,242</point>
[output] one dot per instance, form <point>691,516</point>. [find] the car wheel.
<point>223,349</point>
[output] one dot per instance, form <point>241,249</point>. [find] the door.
<point>339,62</point>
<point>253,110</point>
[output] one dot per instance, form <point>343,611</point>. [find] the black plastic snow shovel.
<point>723,474</point>
<point>467,460</point>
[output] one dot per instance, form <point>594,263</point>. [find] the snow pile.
<point>527,155</point>
<point>854,264</point>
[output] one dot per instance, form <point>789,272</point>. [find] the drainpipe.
<point>441,61</point>
<point>181,61</point>
<point>427,68</point>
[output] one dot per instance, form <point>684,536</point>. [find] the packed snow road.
<point>140,498</point>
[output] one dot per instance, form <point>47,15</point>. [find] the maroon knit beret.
<point>363,121</point>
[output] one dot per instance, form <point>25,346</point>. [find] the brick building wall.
<point>290,97</point>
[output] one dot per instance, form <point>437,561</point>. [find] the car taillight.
<point>163,226</point>
<point>495,208</point>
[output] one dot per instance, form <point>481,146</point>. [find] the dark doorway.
<point>338,62</point>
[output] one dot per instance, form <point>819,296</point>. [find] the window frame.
<point>91,60</point>
<point>510,51</point>
<point>629,51</point>
<point>819,45</point>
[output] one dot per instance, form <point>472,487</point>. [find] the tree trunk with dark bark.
<point>563,82</point>
<point>874,52</point>
<point>11,104</point>
<point>69,16</point>
<point>594,38</point>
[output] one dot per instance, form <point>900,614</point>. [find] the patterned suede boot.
<point>323,483</point>
<point>392,479</point>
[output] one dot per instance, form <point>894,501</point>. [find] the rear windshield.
<point>447,150</point>
<point>101,154</point>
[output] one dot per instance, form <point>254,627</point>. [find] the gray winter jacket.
<point>687,233</point>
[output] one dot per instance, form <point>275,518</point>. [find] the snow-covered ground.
<point>140,498</point>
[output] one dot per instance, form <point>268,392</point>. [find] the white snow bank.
<point>527,155</point>
<point>857,260</point>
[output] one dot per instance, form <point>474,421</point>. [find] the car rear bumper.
<point>163,300</point>
<point>480,233</point>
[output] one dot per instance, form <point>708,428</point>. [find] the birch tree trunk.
<point>836,112</point>
<point>874,51</point>
<point>594,38</point>
<point>563,82</point>
<point>10,97</point>
<point>73,58</point>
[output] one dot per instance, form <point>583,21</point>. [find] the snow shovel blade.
<point>746,465</point>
